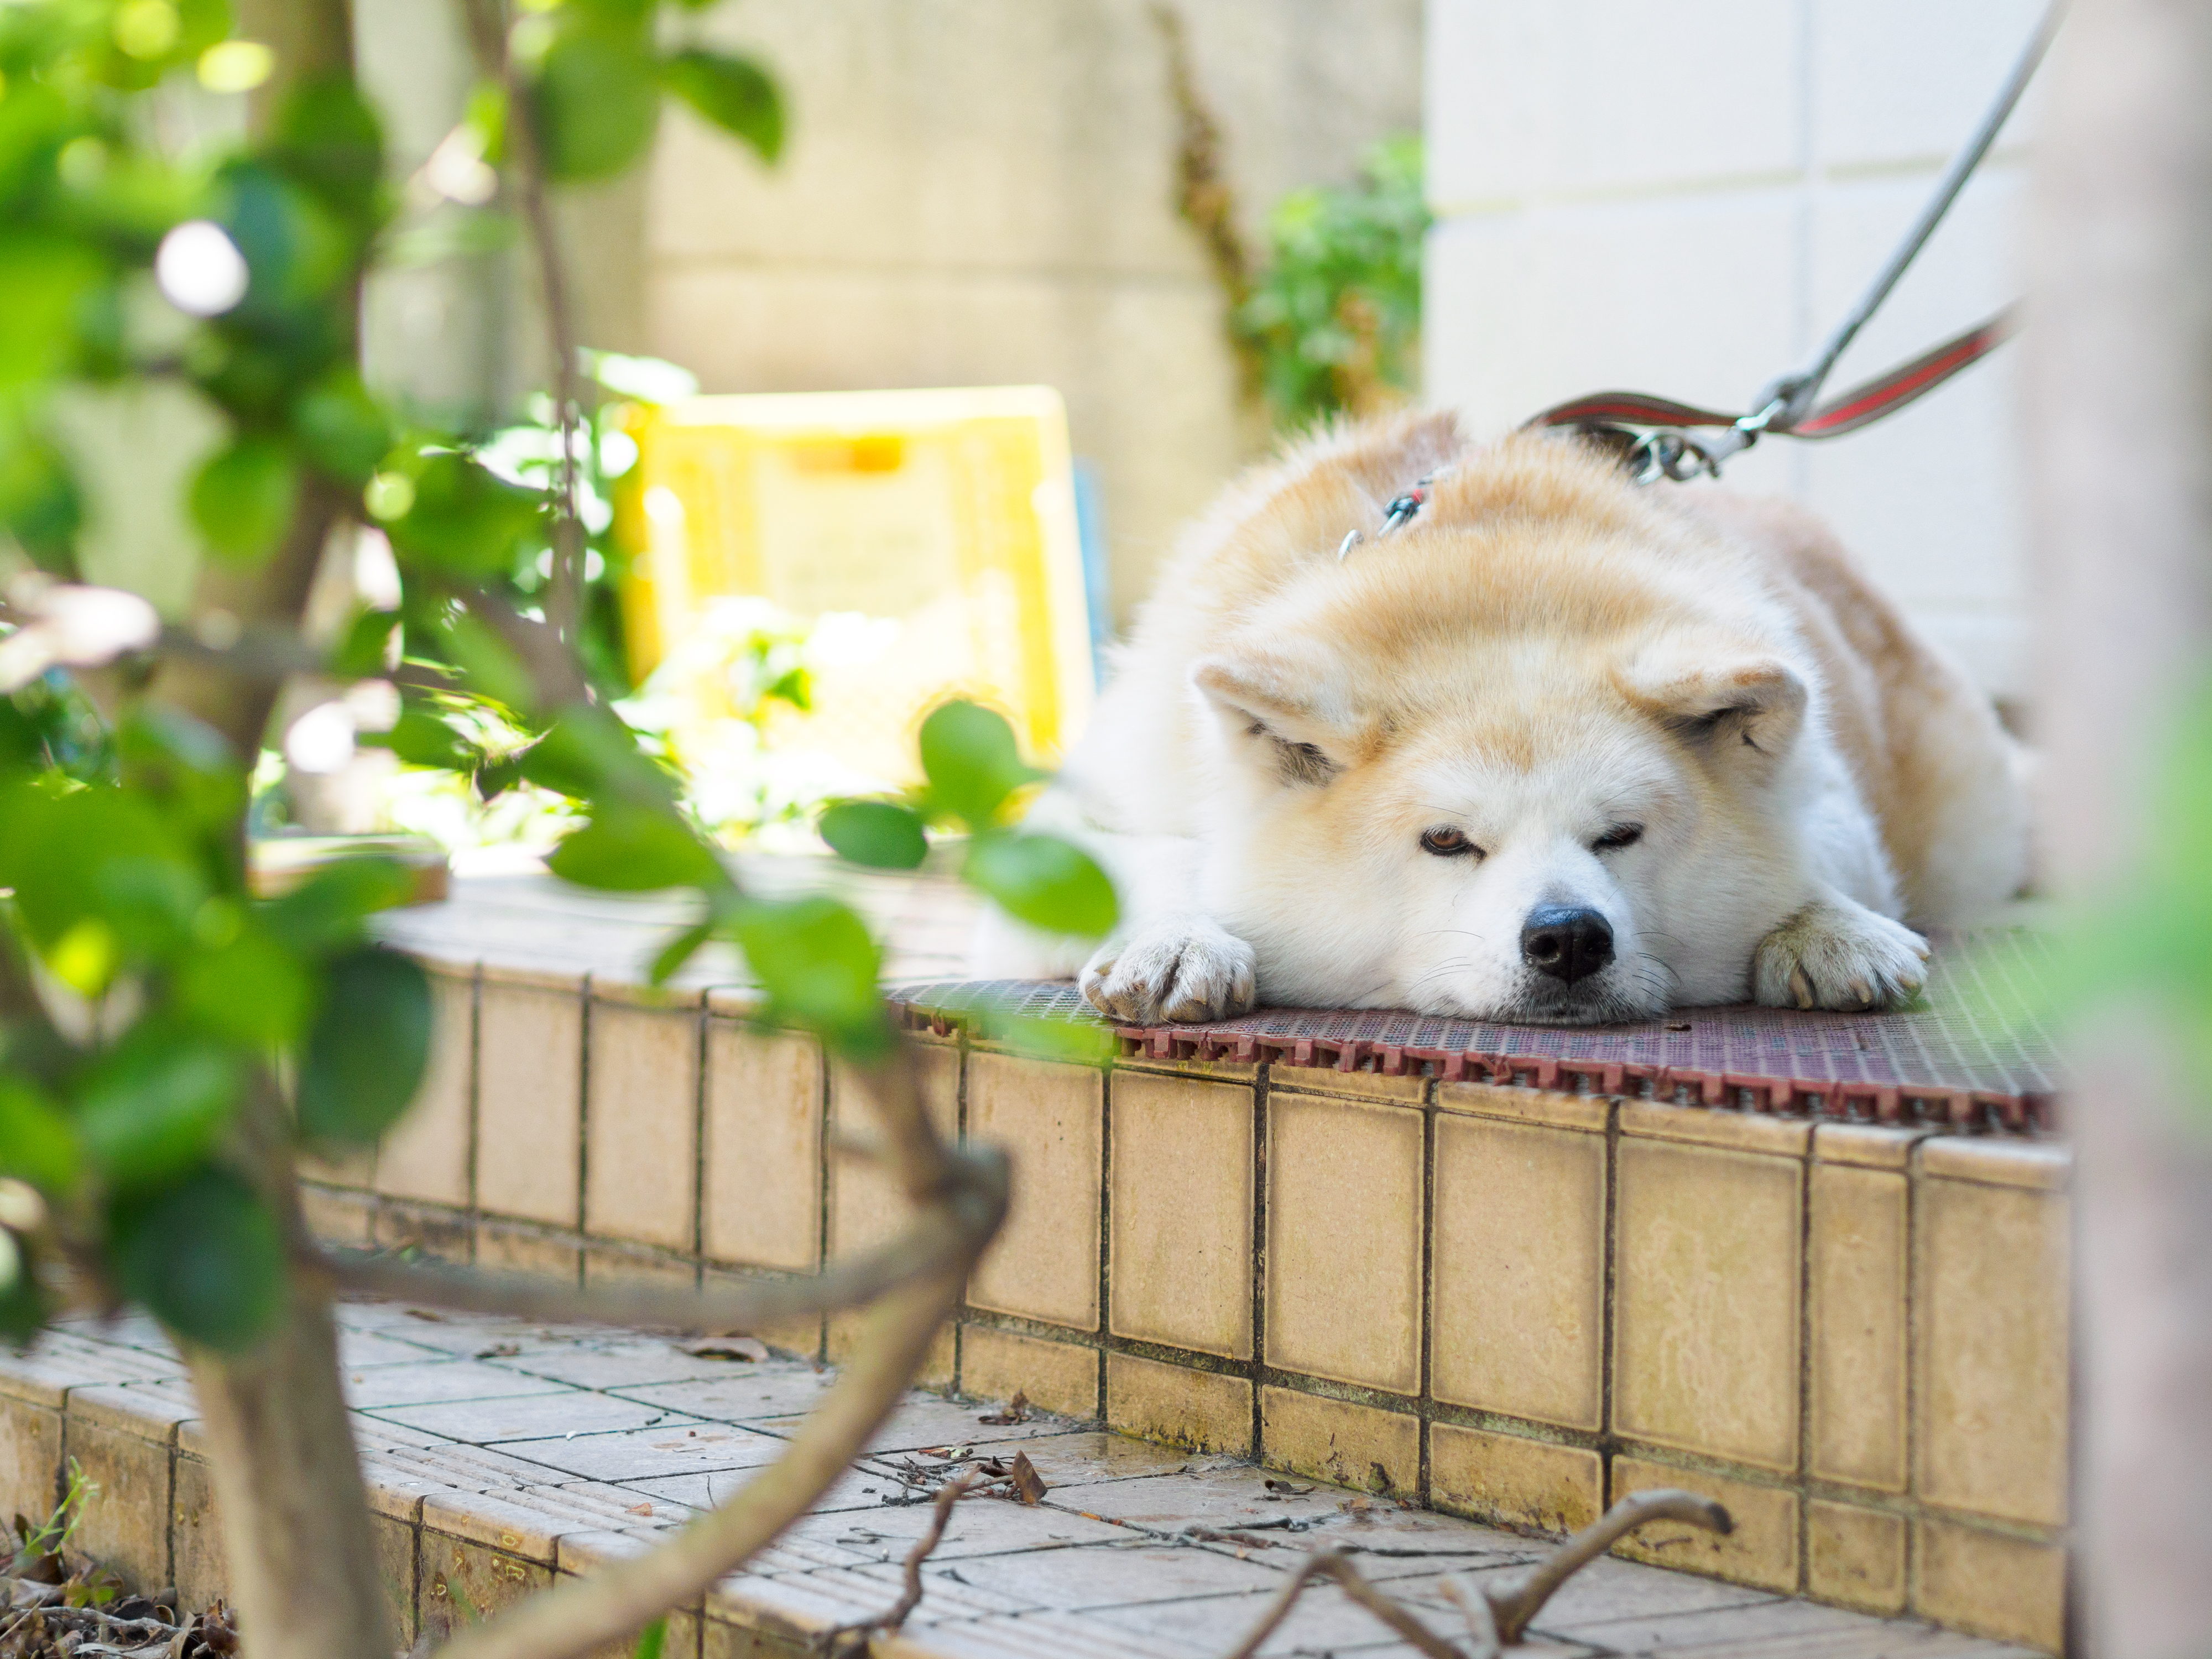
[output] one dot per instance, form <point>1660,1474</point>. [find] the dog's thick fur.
<point>1350,783</point>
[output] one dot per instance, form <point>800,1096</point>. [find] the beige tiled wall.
<point>1509,1302</point>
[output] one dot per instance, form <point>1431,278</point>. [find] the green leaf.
<point>631,849</point>
<point>45,277</point>
<point>735,94</point>
<point>462,518</point>
<point>296,251</point>
<point>342,429</point>
<point>972,760</point>
<point>680,950</point>
<point>36,1142</point>
<point>206,1256</point>
<point>651,1639</point>
<point>329,138</point>
<point>327,910</point>
<point>589,755</point>
<point>250,990</point>
<point>877,833</point>
<point>814,957</point>
<point>596,101</point>
<point>365,648</point>
<point>420,738</point>
<point>41,505</point>
<point>489,664</point>
<point>364,1057</point>
<point>152,1107</point>
<point>1044,881</point>
<point>22,1303</point>
<point>83,858</point>
<point>244,498</point>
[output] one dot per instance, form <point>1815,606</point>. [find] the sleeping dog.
<point>1556,749</point>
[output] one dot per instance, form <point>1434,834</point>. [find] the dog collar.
<point>1401,511</point>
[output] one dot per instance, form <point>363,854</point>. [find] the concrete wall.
<point>973,192</point>
<point>1682,200</point>
<point>982,191</point>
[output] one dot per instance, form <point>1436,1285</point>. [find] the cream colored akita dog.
<point>1560,749</point>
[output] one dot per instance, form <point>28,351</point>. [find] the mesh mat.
<point>1964,1056</point>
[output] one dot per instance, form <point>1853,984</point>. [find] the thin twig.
<point>838,1640</point>
<point>1515,1608</point>
<point>563,593</point>
<point>1494,1616</point>
<point>1333,1564</point>
<point>577,1619</point>
<point>938,1239</point>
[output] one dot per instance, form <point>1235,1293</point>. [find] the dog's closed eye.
<point>1620,835</point>
<point>1448,843</point>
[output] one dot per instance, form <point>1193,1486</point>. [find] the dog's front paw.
<point>1182,972</point>
<point>1839,956</point>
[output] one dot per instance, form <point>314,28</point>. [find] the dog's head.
<point>1507,766</point>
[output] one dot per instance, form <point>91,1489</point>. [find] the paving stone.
<point>1114,1574</point>
<point>435,1378</point>
<point>683,1447</point>
<point>978,1526</point>
<point>759,1393</point>
<point>1083,1455</point>
<point>634,1366</point>
<point>358,1349</point>
<point>1205,1497</point>
<point>1650,1631</point>
<point>485,1422</point>
<point>1323,1621</point>
<point>61,1360</point>
<point>1609,1590</point>
<point>529,1522</point>
<point>857,1489</point>
<point>925,1421</point>
<point>1060,1635</point>
<point>811,1602</point>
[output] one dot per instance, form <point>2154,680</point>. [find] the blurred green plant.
<point>1332,320</point>
<point>167,1038</point>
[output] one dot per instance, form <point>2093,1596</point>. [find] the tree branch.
<point>1514,1608</point>
<point>949,1233</point>
<point>564,592</point>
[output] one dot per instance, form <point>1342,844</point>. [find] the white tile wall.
<point>1683,200</point>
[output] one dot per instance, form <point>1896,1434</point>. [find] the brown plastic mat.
<point>1965,1056</point>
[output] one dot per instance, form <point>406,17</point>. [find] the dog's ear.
<point>1278,714</point>
<point>1726,705</point>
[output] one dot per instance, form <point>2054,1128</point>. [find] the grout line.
<point>1608,1357</point>
<point>960,1138</point>
<point>699,1140</point>
<point>1262,1105</point>
<point>583,1113</point>
<point>476,1100</point>
<point>1805,1370</point>
<point>825,1167</point>
<point>1425,1311</point>
<point>1105,1223</point>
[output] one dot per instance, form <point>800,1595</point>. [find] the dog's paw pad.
<point>1182,973</point>
<point>1838,957</point>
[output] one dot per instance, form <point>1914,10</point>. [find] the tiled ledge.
<point>500,1457</point>
<point>1509,1302</point>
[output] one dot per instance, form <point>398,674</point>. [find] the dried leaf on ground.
<point>1016,1411</point>
<point>745,1348</point>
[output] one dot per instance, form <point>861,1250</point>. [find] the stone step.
<point>500,1457</point>
<point>1510,1303</point>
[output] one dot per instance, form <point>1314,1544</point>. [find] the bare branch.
<point>1334,1563</point>
<point>839,1641</point>
<point>580,1618</point>
<point>946,1235</point>
<point>552,665</point>
<point>564,594</point>
<point>1495,1618</point>
<point>1514,1608</point>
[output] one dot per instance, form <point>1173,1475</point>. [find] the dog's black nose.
<point>1566,942</point>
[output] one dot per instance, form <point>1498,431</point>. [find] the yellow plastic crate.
<point>950,513</point>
